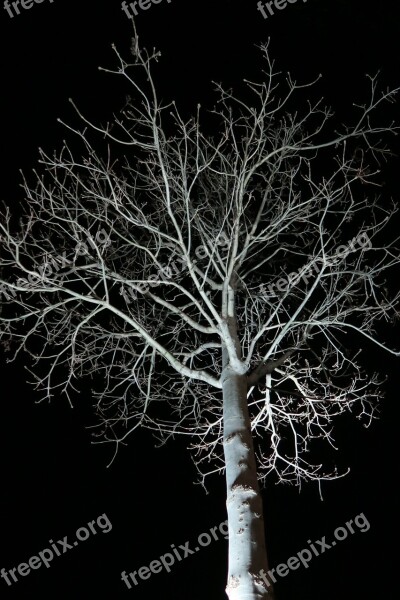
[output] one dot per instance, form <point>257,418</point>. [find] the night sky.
<point>54,480</point>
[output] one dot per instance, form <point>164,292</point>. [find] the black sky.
<point>53,479</point>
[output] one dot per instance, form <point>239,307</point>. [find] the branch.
<point>263,369</point>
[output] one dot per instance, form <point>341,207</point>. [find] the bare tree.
<point>207,283</point>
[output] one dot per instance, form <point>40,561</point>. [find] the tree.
<point>205,277</point>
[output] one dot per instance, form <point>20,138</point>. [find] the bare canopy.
<point>193,230</point>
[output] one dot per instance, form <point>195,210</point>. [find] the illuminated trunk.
<point>248,564</point>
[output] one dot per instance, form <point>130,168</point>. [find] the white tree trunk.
<point>247,553</point>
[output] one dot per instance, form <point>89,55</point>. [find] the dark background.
<point>53,479</point>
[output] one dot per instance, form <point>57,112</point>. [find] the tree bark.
<point>248,563</point>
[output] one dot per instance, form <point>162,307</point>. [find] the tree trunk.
<point>248,564</point>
